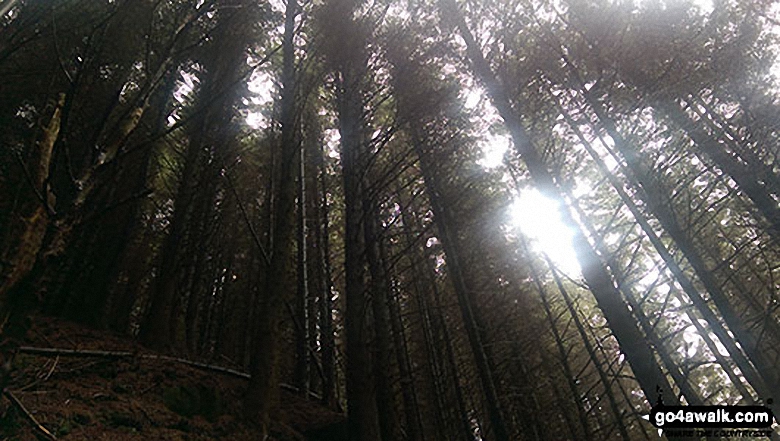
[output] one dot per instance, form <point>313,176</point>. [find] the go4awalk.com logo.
<point>712,421</point>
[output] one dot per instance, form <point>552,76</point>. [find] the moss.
<point>65,427</point>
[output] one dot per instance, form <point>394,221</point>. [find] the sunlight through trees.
<point>444,220</point>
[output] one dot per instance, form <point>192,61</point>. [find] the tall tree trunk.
<point>211,128</point>
<point>35,220</point>
<point>677,234</point>
<point>449,368</point>
<point>383,369</point>
<point>721,128</point>
<point>16,296</point>
<point>314,264</point>
<point>411,405</point>
<point>135,258</point>
<point>84,262</point>
<point>302,371</point>
<point>444,221</point>
<point>351,66</point>
<point>465,302</point>
<point>155,330</point>
<point>654,197</point>
<point>263,393</point>
<point>571,379</point>
<point>602,374</point>
<point>362,413</point>
<point>327,341</point>
<point>743,175</point>
<point>691,396</point>
<point>434,333</point>
<point>621,322</point>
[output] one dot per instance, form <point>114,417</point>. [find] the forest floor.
<point>134,396</point>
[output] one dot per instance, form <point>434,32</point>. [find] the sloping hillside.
<point>82,384</point>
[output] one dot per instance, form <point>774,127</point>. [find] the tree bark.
<point>346,52</point>
<point>382,347</point>
<point>302,338</point>
<point>263,393</point>
<point>411,405</point>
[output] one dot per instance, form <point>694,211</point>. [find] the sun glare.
<point>704,6</point>
<point>493,149</point>
<point>263,90</point>
<point>539,219</point>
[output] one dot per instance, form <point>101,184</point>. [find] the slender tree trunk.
<point>263,393</point>
<point>17,298</point>
<point>563,403</point>
<point>36,219</point>
<point>621,322</point>
<point>347,54</point>
<point>197,279</point>
<point>571,379</point>
<point>411,405</point>
<point>302,299</point>
<point>327,342</point>
<point>744,176</point>
<point>134,253</point>
<point>602,374</point>
<point>495,413</point>
<point>599,351</point>
<point>385,395</point>
<point>720,127</point>
<point>211,128</point>
<point>686,283</point>
<point>452,370</point>
<point>527,400</point>
<point>155,330</point>
<point>361,394</point>
<point>655,199</point>
<point>314,265</point>
<point>447,236</point>
<point>687,391</point>
<point>415,118</point>
<point>435,395</point>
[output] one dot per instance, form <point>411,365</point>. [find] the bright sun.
<point>539,218</point>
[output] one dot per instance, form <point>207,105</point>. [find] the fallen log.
<point>84,353</point>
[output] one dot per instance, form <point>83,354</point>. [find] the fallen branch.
<point>53,366</point>
<point>52,352</point>
<point>84,353</point>
<point>195,364</point>
<point>42,430</point>
<point>41,378</point>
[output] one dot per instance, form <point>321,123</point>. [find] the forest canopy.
<point>452,219</point>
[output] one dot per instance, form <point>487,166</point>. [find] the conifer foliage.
<point>313,191</point>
